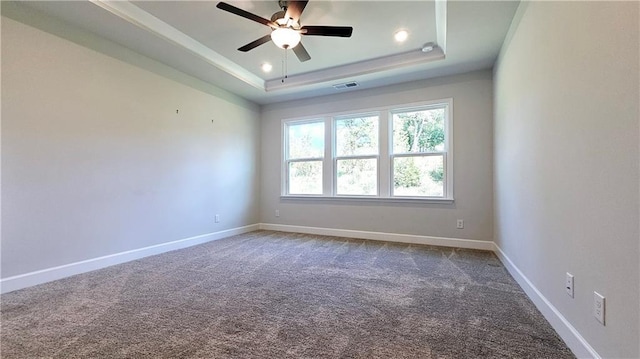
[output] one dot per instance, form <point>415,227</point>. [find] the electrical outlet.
<point>598,307</point>
<point>569,284</point>
<point>277,213</point>
<point>460,224</point>
<point>217,218</point>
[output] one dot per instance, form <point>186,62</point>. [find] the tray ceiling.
<point>201,40</point>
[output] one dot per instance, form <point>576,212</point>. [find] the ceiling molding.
<point>136,16</point>
<point>355,69</point>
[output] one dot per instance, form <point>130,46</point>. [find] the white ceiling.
<point>201,40</point>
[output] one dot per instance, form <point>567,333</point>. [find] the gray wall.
<point>472,108</point>
<point>566,162</point>
<point>95,160</point>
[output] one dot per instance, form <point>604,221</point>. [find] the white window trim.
<point>285,161</point>
<point>385,155</point>
<point>335,157</point>
<point>448,143</point>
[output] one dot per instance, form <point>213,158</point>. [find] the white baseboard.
<point>578,345</point>
<point>47,275</point>
<point>381,236</point>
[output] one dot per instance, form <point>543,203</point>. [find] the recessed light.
<point>401,35</point>
<point>266,67</point>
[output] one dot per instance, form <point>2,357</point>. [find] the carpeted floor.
<point>283,295</point>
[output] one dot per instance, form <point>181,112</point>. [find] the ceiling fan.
<point>286,30</point>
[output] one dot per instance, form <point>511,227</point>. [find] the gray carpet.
<point>283,295</point>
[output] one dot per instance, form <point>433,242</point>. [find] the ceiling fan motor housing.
<point>278,16</point>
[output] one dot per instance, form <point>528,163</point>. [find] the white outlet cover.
<point>569,284</point>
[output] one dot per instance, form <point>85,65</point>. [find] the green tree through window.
<point>356,155</point>
<point>414,133</point>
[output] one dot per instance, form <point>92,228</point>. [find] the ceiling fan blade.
<point>340,31</point>
<point>252,45</point>
<point>247,15</point>
<point>294,9</point>
<point>301,53</point>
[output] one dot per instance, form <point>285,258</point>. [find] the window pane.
<point>418,176</point>
<point>419,131</point>
<point>357,177</point>
<point>357,136</point>
<point>306,140</point>
<point>305,177</point>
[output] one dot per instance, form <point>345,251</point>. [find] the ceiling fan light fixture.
<point>285,38</point>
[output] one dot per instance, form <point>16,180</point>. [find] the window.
<point>397,153</point>
<point>419,152</point>
<point>304,157</point>
<point>356,158</point>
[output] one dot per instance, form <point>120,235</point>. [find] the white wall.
<point>566,162</point>
<point>472,109</point>
<point>96,161</point>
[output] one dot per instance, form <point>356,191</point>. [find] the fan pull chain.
<point>284,66</point>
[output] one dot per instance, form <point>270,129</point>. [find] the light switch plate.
<point>598,307</point>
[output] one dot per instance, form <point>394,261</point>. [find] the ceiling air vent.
<point>346,85</point>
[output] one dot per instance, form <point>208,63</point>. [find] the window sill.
<point>415,200</point>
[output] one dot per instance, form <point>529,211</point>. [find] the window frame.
<point>384,158</point>
<point>287,161</point>
<point>335,158</point>
<point>446,153</point>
